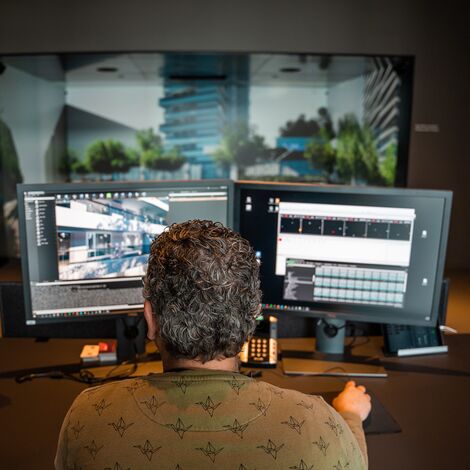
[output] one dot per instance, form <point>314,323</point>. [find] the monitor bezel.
<point>102,187</point>
<point>360,190</point>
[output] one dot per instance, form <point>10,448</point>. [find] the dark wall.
<point>435,35</point>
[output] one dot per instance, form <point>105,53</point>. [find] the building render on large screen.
<point>201,98</point>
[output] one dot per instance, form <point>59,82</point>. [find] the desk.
<point>432,409</point>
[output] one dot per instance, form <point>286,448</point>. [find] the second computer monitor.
<point>85,246</point>
<point>374,255</point>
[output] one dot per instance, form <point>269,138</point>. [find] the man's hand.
<point>353,400</point>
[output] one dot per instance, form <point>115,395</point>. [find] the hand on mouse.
<point>353,399</point>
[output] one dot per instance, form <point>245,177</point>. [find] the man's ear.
<point>151,320</point>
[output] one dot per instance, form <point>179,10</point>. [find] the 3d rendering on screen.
<point>87,246</point>
<point>107,237</point>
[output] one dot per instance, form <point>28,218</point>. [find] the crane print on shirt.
<point>182,422</point>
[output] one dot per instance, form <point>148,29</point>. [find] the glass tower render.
<point>382,102</point>
<point>203,95</point>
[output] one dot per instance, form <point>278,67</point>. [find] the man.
<point>202,297</point>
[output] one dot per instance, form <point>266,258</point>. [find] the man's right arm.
<point>353,404</point>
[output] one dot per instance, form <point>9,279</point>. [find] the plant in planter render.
<point>241,146</point>
<point>153,156</point>
<point>356,152</point>
<point>321,154</point>
<point>351,155</point>
<point>79,168</point>
<point>170,160</point>
<point>68,160</point>
<point>388,165</point>
<point>108,157</point>
<point>10,175</point>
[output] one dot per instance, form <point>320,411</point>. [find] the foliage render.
<point>10,175</point>
<point>352,156</point>
<point>241,146</point>
<point>153,155</point>
<point>347,154</point>
<point>111,158</point>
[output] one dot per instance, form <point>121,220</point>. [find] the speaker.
<point>443,302</point>
<point>13,319</point>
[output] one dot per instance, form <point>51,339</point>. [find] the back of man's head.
<point>203,284</point>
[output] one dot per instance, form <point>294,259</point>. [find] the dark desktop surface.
<point>379,421</point>
<point>427,396</point>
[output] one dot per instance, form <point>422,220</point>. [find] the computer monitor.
<point>84,247</point>
<point>341,253</point>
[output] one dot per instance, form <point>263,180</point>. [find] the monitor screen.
<point>365,254</point>
<point>85,246</point>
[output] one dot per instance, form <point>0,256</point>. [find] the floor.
<point>458,310</point>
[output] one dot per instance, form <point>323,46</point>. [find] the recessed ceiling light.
<point>290,69</point>
<point>107,69</point>
<point>195,78</point>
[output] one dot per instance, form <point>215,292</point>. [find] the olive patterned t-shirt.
<point>199,419</point>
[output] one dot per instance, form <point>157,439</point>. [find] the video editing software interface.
<point>87,250</point>
<point>369,256</point>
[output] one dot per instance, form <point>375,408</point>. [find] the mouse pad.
<point>379,421</point>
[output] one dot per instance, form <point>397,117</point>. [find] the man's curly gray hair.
<point>203,284</point>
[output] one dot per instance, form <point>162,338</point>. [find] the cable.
<point>335,368</point>
<point>252,373</point>
<point>84,376</point>
<point>448,329</point>
<point>352,344</point>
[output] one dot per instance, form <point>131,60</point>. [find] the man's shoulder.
<point>102,396</point>
<point>115,389</point>
<point>288,397</point>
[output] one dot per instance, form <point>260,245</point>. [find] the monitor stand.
<point>130,336</point>
<point>330,357</point>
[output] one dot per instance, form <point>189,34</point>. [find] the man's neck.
<point>230,364</point>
